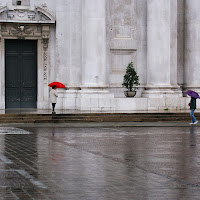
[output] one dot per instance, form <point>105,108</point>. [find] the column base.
<point>96,100</point>
<point>160,98</point>
<point>88,99</point>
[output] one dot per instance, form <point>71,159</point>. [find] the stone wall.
<point>93,41</point>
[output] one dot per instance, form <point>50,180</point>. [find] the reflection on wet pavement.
<point>152,163</point>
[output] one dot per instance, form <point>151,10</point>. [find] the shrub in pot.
<point>131,81</point>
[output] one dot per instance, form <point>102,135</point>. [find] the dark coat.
<point>192,104</point>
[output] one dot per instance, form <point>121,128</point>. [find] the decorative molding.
<point>44,6</point>
<point>3,28</point>
<point>39,29</point>
<point>31,15</point>
<point>30,31</point>
<point>20,30</point>
<point>45,41</point>
<point>21,13</point>
<point>45,14</point>
<point>120,58</point>
<point>122,18</point>
<point>38,15</point>
<point>3,9</point>
<point>10,16</point>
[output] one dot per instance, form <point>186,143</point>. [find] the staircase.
<point>96,117</point>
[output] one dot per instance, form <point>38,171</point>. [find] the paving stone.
<point>100,163</point>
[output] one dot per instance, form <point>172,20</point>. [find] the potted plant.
<point>131,81</point>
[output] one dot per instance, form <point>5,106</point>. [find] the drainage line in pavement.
<point>170,178</point>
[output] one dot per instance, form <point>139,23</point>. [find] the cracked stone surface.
<point>100,163</point>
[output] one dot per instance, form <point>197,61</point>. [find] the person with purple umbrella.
<point>192,105</point>
<point>192,109</point>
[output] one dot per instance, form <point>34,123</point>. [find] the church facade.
<point>87,44</point>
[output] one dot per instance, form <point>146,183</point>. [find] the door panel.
<point>21,73</point>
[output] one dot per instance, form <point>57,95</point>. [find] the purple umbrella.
<point>192,94</point>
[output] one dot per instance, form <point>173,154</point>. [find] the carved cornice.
<point>45,13</point>
<point>20,29</point>
<point>38,15</point>
<point>23,31</point>
<point>3,9</point>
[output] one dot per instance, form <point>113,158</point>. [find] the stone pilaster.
<point>68,42</point>
<point>62,68</point>
<point>74,80</point>
<point>2,70</point>
<point>93,43</point>
<point>192,45</point>
<point>162,53</point>
<point>180,41</point>
<point>93,95</point>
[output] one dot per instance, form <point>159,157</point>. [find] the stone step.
<point>16,121</point>
<point>118,116</point>
<point>23,115</point>
<point>95,117</point>
<point>97,114</point>
<point>111,120</point>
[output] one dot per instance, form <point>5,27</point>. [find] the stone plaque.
<point>123,17</point>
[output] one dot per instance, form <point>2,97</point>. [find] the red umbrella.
<point>57,84</point>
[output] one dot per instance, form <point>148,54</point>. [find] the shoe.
<point>191,123</point>
<point>196,122</point>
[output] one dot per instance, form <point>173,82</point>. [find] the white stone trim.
<point>2,75</point>
<point>21,14</point>
<point>46,13</point>
<point>41,34</point>
<point>2,9</point>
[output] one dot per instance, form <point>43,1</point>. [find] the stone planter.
<point>130,93</point>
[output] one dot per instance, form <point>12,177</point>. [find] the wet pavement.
<point>100,163</point>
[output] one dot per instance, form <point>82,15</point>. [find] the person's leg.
<point>193,119</point>
<point>53,106</point>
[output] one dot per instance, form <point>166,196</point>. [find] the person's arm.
<point>55,93</point>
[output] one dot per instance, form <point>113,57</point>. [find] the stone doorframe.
<point>28,30</point>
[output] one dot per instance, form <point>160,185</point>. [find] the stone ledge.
<point>131,103</point>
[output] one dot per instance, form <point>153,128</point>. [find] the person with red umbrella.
<point>57,84</point>
<point>53,94</point>
<point>53,98</point>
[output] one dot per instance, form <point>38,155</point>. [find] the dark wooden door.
<point>21,73</point>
